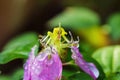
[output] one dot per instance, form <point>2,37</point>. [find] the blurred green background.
<point>96,22</point>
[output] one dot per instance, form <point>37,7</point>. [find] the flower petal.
<point>28,65</point>
<point>89,68</point>
<point>46,66</point>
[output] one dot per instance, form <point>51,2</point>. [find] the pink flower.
<point>89,68</point>
<point>45,66</point>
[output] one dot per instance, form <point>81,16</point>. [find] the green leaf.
<point>69,70</point>
<point>29,38</point>
<point>18,75</point>
<point>108,58</point>
<point>80,76</point>
<point>76,18</point>
<point>114,25</point>
<point>4,77</point>
<point>73,72</point>
<point>114,77</point>
<point>19,47</point>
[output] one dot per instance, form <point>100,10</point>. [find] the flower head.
<point>45,66</point>
<point>57,38</point>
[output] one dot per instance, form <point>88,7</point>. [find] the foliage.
<point>76,18</point>
<point>114,25</point>
<point>108,58</point>
<point>19,47</point>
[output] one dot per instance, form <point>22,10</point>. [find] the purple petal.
<point>28,65</point>
<point>89,68</point>
<point>46,66</point>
